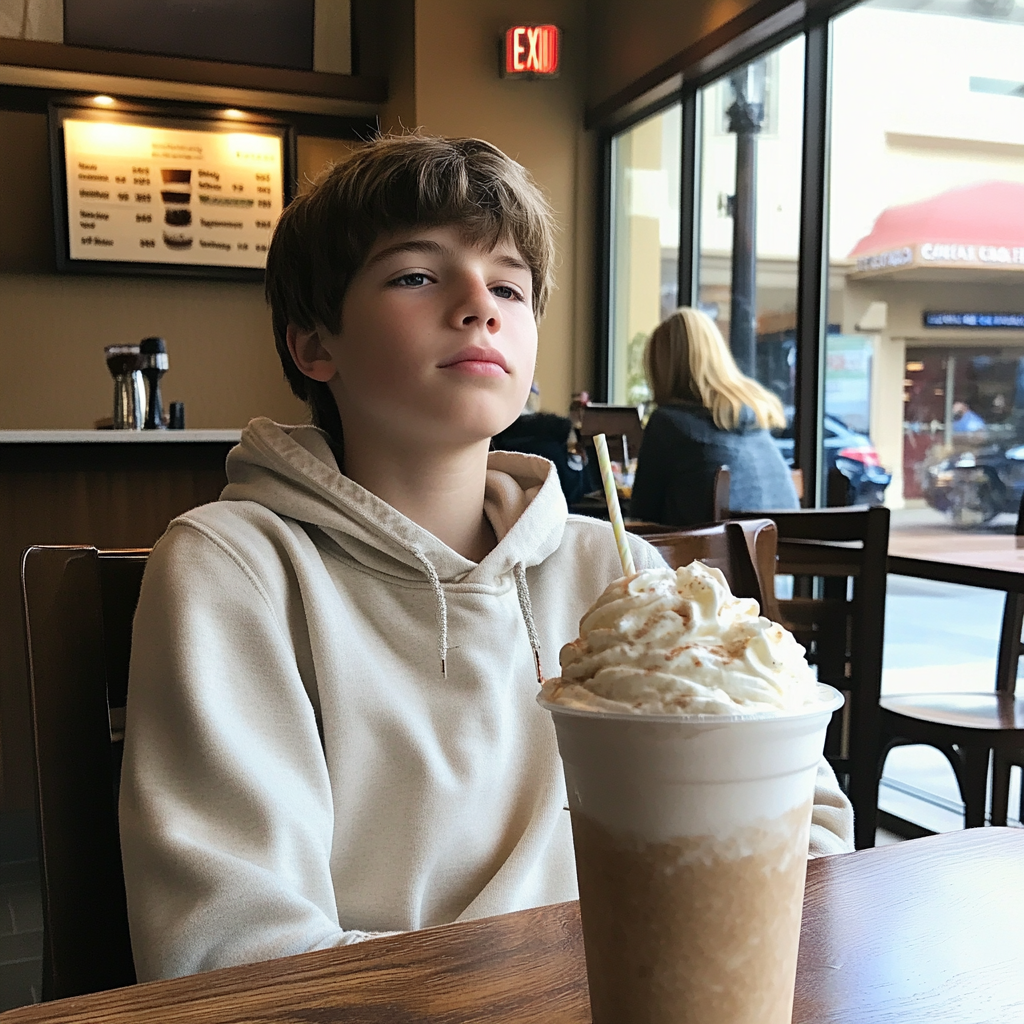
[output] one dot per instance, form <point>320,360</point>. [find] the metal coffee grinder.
<point>153,356</point>
<point>124,363</point>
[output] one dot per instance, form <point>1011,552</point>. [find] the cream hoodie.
<point>298,770</point>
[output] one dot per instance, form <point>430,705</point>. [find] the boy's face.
<point>438,340</point>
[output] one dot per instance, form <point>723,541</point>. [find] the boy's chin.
<point>481,424</point>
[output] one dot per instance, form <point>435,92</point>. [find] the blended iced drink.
<point>690,730</point>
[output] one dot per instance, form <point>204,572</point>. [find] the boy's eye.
<point>504,291</point>
<point>413,280</point>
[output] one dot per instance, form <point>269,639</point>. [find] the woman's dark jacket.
<point>681,451</point>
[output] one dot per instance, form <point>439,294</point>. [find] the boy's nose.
<point>477,306</point>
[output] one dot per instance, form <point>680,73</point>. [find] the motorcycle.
<point>973,487</point>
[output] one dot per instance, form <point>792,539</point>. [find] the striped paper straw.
<point>614,512</point>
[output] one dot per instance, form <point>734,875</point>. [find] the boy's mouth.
<point>478,360</point>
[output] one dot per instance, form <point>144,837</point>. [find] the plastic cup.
<point>691,837</point>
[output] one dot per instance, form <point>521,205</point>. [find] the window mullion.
<point>813,274</point>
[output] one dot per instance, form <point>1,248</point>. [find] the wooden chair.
<point>744,551</point>
<point>1010,651</point>
<point>1008,662</point>
<point>969,728</point>
<point>645,528</point>
<point>837,491</point>
<point>837,557</point>
<point>720,493</point>
<point>616,422</point>
<point>78,606</point>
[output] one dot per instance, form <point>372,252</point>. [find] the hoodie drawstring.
<point>527,609</point>
<point>519,573</point>
<point>442,610</point>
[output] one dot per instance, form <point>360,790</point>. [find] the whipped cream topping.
<point>670,641</point>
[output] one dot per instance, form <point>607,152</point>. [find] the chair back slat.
<point>817,558</point>
<point>828,524</point>
<point>67,594</point>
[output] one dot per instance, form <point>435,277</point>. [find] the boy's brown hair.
<point>393,184</point>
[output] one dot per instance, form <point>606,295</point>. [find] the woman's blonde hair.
<point>687,359</point>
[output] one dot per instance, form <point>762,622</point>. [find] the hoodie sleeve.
<point>226,813</point>
<point>832,817</point>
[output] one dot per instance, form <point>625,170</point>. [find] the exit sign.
<point>532,51</point>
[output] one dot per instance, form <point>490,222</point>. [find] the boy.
<point>332,729</point>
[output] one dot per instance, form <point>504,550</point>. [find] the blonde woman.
<point>709,415</point>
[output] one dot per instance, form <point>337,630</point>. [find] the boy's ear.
<point>309,354</point>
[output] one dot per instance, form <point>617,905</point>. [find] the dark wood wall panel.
<point>110,495</point>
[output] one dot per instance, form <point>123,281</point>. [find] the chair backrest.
<point>78,606</point>
<point>744,551</point>
<point>838,489</point>
<point>838,557</point>
<point>720,495</point>
<point>615,422</point>
<point>1011,646</point>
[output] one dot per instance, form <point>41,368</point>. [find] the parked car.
<point>849,451</point>
<point>972,487</point>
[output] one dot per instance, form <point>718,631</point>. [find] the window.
<point>749,212</point>
<point>644,245</point>
<point>926,253</point>
<point>919,189</point>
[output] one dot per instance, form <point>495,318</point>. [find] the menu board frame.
<point>209,121</point>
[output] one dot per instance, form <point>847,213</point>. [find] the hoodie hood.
<point>293,472</point>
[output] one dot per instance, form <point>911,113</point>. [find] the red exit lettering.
<point>531,50</point>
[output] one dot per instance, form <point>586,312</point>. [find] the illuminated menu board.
<point>138,193</point>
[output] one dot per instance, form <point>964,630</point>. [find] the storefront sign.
<point>984,321</point>
<point>935,252</point>
<point>532,51</point>
<point>885,260</point>
<point>948,254</point>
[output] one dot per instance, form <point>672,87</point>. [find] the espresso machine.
<point>153,353</point>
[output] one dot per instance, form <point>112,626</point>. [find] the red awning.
<point>989,214</point>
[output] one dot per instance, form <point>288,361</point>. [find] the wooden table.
<point>994,561</point>
<point>930,930</point>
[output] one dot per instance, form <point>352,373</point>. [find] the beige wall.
<point>458,91</point>
<point>444,79</point>
<point>223,366</point>
<point>628,39</point>
<point>53,327</point>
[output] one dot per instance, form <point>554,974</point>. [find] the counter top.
<point>117,436</point>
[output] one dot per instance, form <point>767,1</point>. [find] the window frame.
<point>681,81</point>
